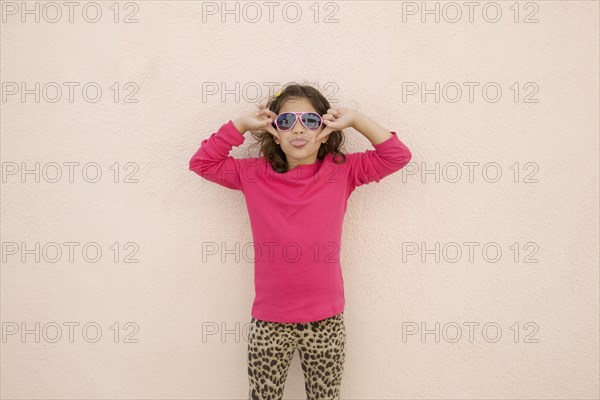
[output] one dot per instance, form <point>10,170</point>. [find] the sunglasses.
<point>285,121</point>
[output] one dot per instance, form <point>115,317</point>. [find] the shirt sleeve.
<point>212,160</point>
<point>373,165</point>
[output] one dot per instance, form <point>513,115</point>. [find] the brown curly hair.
<point>273,152</point>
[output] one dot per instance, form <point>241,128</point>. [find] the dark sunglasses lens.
<point>311,121</point>
<point>286,120</point>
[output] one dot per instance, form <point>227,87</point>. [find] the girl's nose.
<point>297,128</point>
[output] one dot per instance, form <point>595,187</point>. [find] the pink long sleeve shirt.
<point>296,219</point>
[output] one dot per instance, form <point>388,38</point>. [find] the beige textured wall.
<point>174,323</point>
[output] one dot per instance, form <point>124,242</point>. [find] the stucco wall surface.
<point>472,273</point>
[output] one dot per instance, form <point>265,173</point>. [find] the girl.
<point>296,194</point>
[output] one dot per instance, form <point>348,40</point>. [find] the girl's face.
<point>307,153</point>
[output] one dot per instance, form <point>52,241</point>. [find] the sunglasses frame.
<point>298,115</point>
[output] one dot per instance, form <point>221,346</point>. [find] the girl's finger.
<point>323,134</point>
<point>271,114</point>
<point>331,124</point>
<point>265,112</point>
<point>272,131</point>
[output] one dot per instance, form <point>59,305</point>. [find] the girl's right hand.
<point>261,119</point>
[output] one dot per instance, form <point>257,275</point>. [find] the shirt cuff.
<point>391,141</point>
<point>234,134</point>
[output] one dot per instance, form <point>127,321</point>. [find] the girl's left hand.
<point>337,119</point>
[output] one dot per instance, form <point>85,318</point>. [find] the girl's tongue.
<point>298,142</point>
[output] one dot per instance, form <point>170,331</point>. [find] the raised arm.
<point>212,160</point>
<point>389,156</point>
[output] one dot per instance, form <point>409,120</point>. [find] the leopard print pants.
<point>321,346</point>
